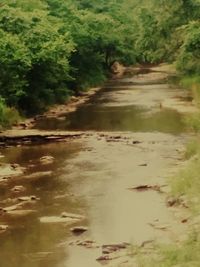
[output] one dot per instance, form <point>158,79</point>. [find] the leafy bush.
<point>8,116</point>
<point>189,58</point>
<point>34,59</point>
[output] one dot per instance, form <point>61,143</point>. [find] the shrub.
<point>8,116</point>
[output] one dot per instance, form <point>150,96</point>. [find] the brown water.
<point>91,177</point>
<point>135,109</point>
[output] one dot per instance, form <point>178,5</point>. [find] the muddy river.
<point>137,138</point>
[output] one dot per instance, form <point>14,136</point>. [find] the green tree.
<point>14,63</point>
<point>189,58</point>
<point>43,80</point>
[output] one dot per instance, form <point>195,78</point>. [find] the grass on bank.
<point>192,148</point>
<point>187,181</point>
<point>193,83</point>
<point>185,255</point>
<point>8,116</point>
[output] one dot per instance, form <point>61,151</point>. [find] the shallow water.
<point>91,177</point>
<point>137,109</point>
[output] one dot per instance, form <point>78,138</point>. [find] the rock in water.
<point>79,230</point>
<point>20,213</point>
<point>28,198</point>
<point>72,216</point>
<point>64,218</point>
<point>3,228</point>
<point>57,219</point>
<point>47,160</point>
<point>18,189</point>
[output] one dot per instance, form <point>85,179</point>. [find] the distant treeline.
<point>51,49</point>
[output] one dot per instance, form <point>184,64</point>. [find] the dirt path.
<point>111,178</point>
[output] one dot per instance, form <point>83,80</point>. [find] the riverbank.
<point>184,185</point>
<point>59,111</point>
<point>127,143</point>
<point>158,74</point>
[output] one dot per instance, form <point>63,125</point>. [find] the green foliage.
<point>193,83</point>
<point>159,21</point>
<point>186,255</point>
<point>14,63</point>
<point>192,148</point>
<point>51,49</point>
<point>28,5</point>
<point>100,35</point>
<point>34,58</point>
<point>147,40</point>
<point>189,57</point>
<point>8,116</point>
<point>187,182</point>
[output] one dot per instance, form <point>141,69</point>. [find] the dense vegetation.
<point>51,49</point>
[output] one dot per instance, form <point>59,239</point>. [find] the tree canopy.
<point>51,49</point>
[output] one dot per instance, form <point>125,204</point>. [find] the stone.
<point>146,187</point>
<point>24,201</point>
<point>72,216</point>
<point>28,198</point>
<point>136,142</point>
<point>173,202</point>
<point>74,98</point>
<point>57,219</point>
<point>20,213</point>
<point>90,244</point>
<point>15,166</point>
<point>4,180</point>
<point>10,170</point>
<point>65,217</point>
<point>13,207</point>
<point>104,258</point>
<point>23,125</point>
<point>18,189</point>
<point>47,160</point>
<point>3,228</point>
<point>185,220</point>
<point>181,201</point>
<point>79,230</point>
<point>113,251</point>
<point>106,249</point>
